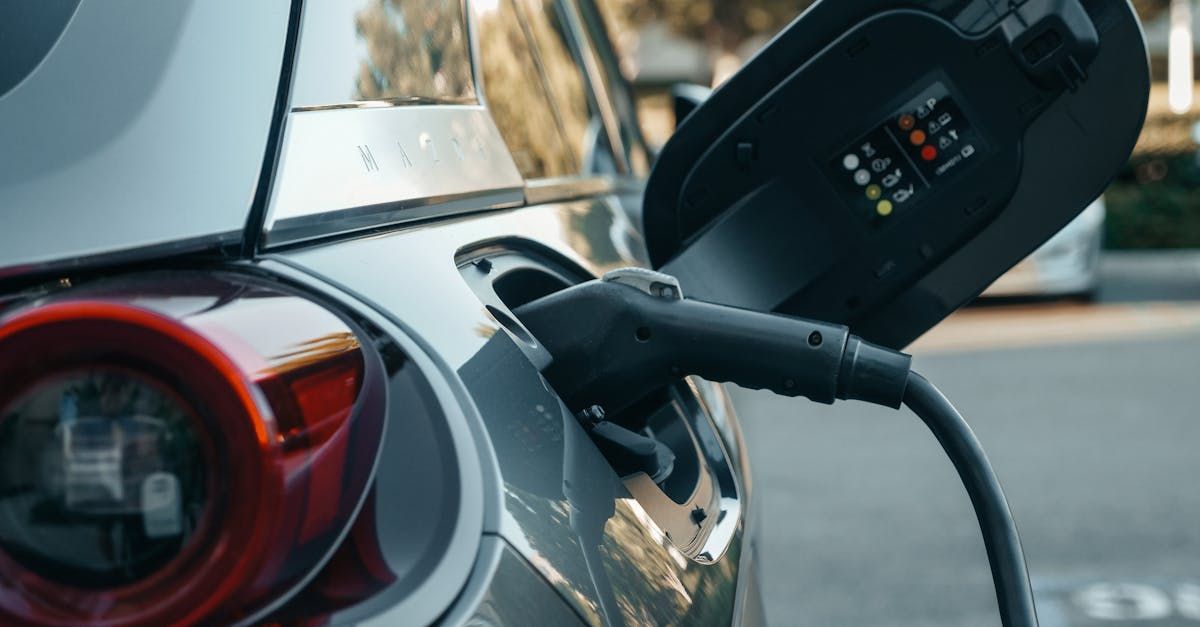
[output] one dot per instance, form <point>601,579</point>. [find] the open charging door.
<point>879,164</point>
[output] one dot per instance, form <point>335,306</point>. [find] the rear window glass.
<point>392,51</point>
<point>537,91</point>
<point>517,96</point>
<point>548,26</point>
<point>602,21</point>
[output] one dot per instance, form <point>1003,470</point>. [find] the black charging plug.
<point>615,340</point>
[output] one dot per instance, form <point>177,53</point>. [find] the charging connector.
<point>616,340</point>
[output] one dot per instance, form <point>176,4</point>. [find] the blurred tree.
<point>721,25</point>
<point>1151,8</point>
<point>724,25</point>
<point>517,95</point>
<point>564,82</point>
<point>414,49</point>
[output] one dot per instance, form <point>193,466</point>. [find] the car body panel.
<point>144,127</point>
<point>1068,264</point>
<point>589,539</point>
<point>516,596</point>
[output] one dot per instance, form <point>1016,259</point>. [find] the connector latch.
<point>1054,41</point>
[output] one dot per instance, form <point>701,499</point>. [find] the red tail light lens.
<point>103,477</point>
<point>177,452</point>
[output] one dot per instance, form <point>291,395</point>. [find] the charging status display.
<point>896,164</point>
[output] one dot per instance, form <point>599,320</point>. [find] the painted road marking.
<point>1017,326</point>
<point>1119,602</point>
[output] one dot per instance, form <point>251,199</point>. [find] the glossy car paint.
<point>145,126</point>
<point>158,151</point>
<point>643,578</point>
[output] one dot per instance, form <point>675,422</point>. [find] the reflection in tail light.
<point>177,452</point>
<point>104,477</point>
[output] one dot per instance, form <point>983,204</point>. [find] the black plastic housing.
<point>613,344</point>
<point>748,206</point>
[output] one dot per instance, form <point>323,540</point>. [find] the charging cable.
<point>615,340</point>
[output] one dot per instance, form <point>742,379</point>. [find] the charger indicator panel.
<point>894,166</point>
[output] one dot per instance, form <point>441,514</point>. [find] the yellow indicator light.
<point>874,192</point>
<point>884,208</point>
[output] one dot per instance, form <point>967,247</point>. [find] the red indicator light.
<point>907,122</point>
<point>917,138</point>
<point>929,153</point>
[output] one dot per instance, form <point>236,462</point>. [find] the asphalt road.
<point>1096,439</point>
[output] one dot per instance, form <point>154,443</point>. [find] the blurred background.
<point>1078,372</point>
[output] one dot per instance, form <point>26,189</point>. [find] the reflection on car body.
<point>1067,265</point>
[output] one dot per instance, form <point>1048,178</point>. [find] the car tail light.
<point>177,451</point>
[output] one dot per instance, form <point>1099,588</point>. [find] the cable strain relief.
<point>873,374</point>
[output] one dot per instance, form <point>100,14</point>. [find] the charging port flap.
<point>879,166</point>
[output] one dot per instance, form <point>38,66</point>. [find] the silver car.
<point>1067,265</point>
<point>292,238</point>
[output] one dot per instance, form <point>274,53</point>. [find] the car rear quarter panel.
<point>558,503</point>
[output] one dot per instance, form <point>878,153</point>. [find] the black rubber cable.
<point>1010,576</point>
<point>614,342</point>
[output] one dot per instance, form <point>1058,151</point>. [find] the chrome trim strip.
<point>319,226</point>
<point>542,191</point>
<point>408,101</point>
<point>348,169</point>
<point>704,542</point>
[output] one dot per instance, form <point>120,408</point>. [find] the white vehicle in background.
<point>1067,265</point>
